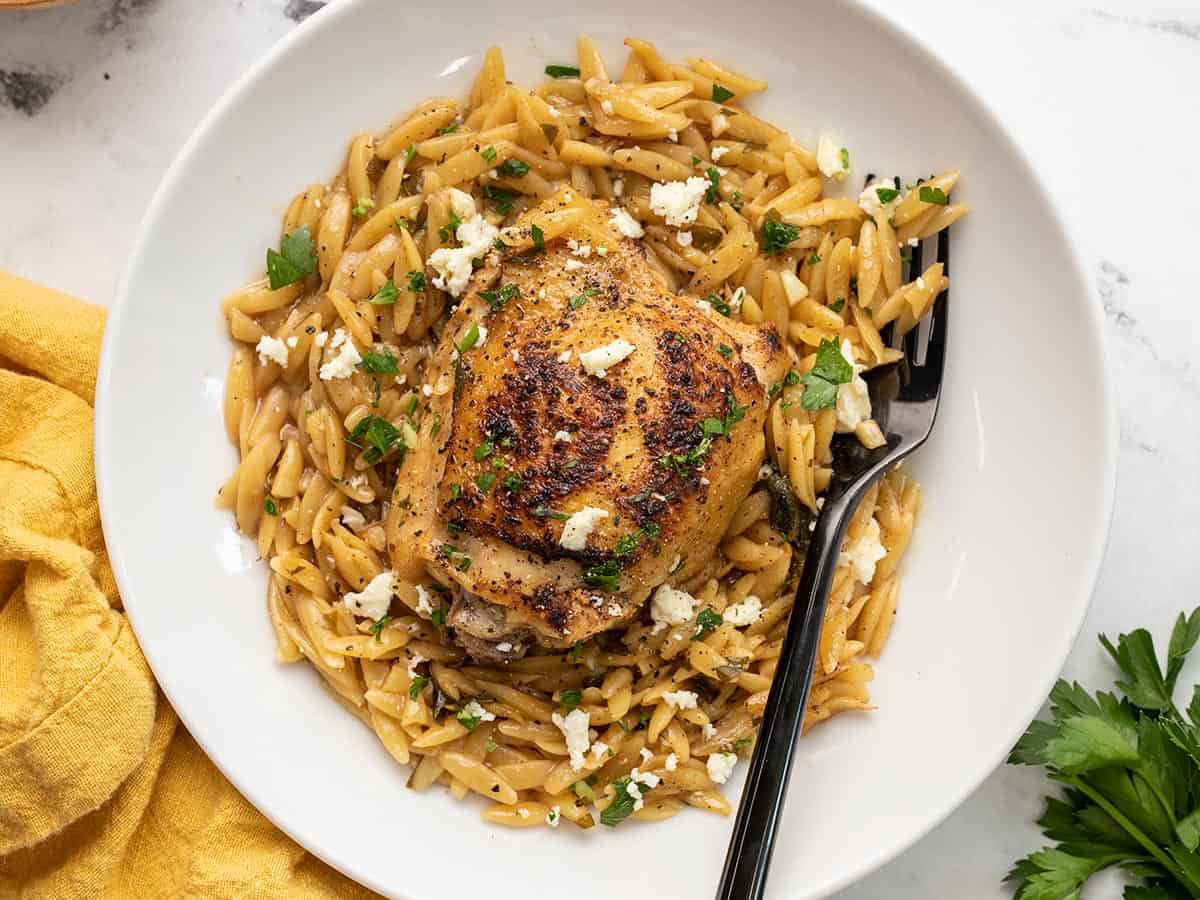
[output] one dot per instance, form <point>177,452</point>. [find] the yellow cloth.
<point>102,792</point>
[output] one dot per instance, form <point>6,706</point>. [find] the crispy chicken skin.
<point>529,437</point>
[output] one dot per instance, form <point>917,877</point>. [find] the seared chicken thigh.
<point>561,486</point>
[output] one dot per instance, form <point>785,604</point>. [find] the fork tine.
<point>910,341</point>
<point>939,318</point>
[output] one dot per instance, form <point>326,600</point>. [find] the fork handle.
<point>749,856</point>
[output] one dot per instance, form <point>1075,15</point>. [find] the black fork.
<point>904,401</point>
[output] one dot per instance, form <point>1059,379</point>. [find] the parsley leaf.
<point>838,305</point>
<point>380,436</point>
<point>462,562</point>
<point>416,281</point>
<point>377,627</point>
<point>814,258</point>
<point>449,129</point>
<point>718,303</point>
<point>725,350</point>
<point>501,199</point>
<point>417,685</point>
<point>470,339</point>
<point>622,806</point>
<point>466,720</point>
<point>562,71</point>
<point>708,620</point>
<point>484,450</point>
<point>606,575</point>
<point>362,207</point>
<point>497,299</point>
<point>269,506</point>
<point>721,94</point>
<point>544,512</point>
<point>844,156</point>
<point>776,235</point>
<point>296,259</point>
<point>711,194</point>
<point>513,168</point>
<point>539,238</point>
<point>450,229</point>
<point>927,194</point>
<point>579,299</point>
<point>512,483</point>
<point>379,363</point>
<point>386,295</point>
<point>570,699</point>
<point>488,153</point>
<point>630,542</point>
<point>821,383</point>
<point>886,195</point>
<point>485,480</point>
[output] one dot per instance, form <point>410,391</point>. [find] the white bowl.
<point>1018,477</point>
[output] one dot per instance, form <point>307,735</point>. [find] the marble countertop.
<point>96,98</point>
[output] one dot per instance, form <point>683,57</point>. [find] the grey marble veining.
<point>97,97</point>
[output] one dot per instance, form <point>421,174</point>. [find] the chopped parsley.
<point>513,168</point>
<point>735,200</point>
<point>497,299</point>
<point>544,512</point>
<point>570,699</point>
<point>776,235</point>
<point>844,156</point>
<point>450,229</point>
<point>579,299</point>
<point>410,154</point>
<point>455,491</point>
<point>296,259</point>
<point>388,293</point>
<point>721,94</point>
<point>417,685</point>
<point>622,805</point>
<point>725,350</point>
<point>838,305</point>
<point>539,238</point>
<point>501,199</point>
<point>485,480</point>
<point>269,506</point>
<point>886,195</point>
<point>712,194</point>
<point>449,129</point>
<point>718,303</point>
<point>362,207</point>
<point>742,742</point>
<point>814,258</point>
<point>438,616</point>
<point>791,379</point>
<point>462,562</point>
<point>379,436</point>
<point>488,153</point>
<point>606,575</point>
<point>377,627</point>
<point>466,720</point>
<point>402,223</point>
<point>927,194</point>
<point>512,483</point>
<point>484,450</point>
<point>562,71</point>
<point>821,384</point>
<point>470,339</point>
<point>630,542</point>
<point>416,281</point>
<point>379,363</point>
<point>708,620</point>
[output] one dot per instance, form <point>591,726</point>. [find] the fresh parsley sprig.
<point>1131,768</point>
<point>295,260</point>
<point>822,381</point>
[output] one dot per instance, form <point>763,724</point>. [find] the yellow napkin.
<point>102,792</point>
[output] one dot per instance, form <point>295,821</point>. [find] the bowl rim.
<point>1091,327</point>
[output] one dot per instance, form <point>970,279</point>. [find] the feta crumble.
<point>599,749</point>
<point>646,754</point>
<point>579,249</point>
<point>563,437</point>
<point>684,239</point>
<point>598,361</point>
<point>483,333</point>
<point>681,699</point>
<point>321,338</point>
<point>672,762</point>
<point>671,606</point>
<point>718,152</point>
<point>864,552</point>
<point>573,265</point>
<point>272,350</point>
<point>720,766</point>
<point>580,524</point>
<point>523,812</point>
<point>292,342</point>
<point>709,731</point>
<point>868,200</point>
<point>635,794</point>
<point>618,187</point>
<point>565,356</point>
<point>342,365</point>
<point>623,221</point>
<point>462,204</point>
<point>747,612</point>
<point>424,607</point>
<point>574,727</point>
<point>473,710</point>
<point>453,264</point>
<point>678,201</point>
<point>829,159</point>
<point>853,400</point>
<point>352,518</point>
<point>372,602</point>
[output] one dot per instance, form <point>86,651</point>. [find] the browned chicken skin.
<point>490,510</point>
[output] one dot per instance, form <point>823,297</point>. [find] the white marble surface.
<point>96,98</point>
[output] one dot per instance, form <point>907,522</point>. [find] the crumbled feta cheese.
<point>709,731</point>
<point>577,528</point>
<point>671,606</point>
<point>624,222</point>
<point>681,699</point>
<point>483,333</point>
<point>523,812</point>
<point>720,766</point>
<point>574,727</point>
<point>853,400</point>
<point>829,159</point>
<point>614,610</point>
<point>607,106</point>
<point>793,287</point>
<point>427,390</point>
<point>864,552</point>
<point>914,242</point>
<point>339,338</point>
<point>372,602</point>
<point>635,794</point>
<point>601,250</point>
<point>554,816</point>
<point>516,356</point>
<point>678,201</point>
<point>321,338</point>
<point>672,762</point>
<point>424,607</point>
<point>504,647</point>
<point>718,152</point>
<point>868,200</point>
<point>565,356</point>
<point>747,612</point>
<point>649,779</point>
<point>618,187</point>
<point>292,342</point>
<point>573,265</point>
<point>718,124</point>
<point>562,436</point>
<point>579,249</point>
<point>646,754</point>
<point>272,350</point>
<point>352,518</point>
<point>599,360</point>
<point>684,239</point>
<point>474,711</point>
<point>453,264</point>
<point>462,204</point>
<point>342,365</point>
<point>599,749</point>
<point>704,305</point>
